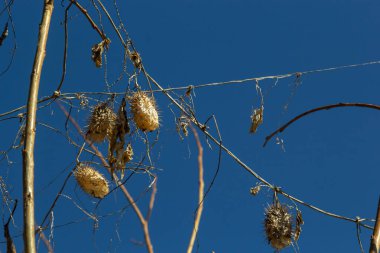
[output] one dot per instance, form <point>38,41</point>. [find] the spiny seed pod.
<point>91,181</point>
<point>278,226</point>
<point>144,111</point>
<point>101,123</point>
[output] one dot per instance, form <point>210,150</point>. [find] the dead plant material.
<point>182,125</point>
<point>117,155</point>
<point>278,226</point>
<point>299,223</point>
<point>4,34</point>
<point>144,111</point>
<point>257,119</point>
<point>97,52</point>
<point>101,123</point>
<point>91,181</point>
<point>136,60</point>
<point>255,190</point>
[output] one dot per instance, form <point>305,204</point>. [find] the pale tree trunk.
<point>30,130</point>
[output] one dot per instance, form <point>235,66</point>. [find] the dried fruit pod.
<point>91,181</point>
<point>144,111</point>
<point>101,123</point>
<point>278,226</point>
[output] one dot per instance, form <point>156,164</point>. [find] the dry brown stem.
<point>201,186</point>
<point>326,107</point>
<point>375,239</point>
<point>45,241</point>
<point>30,129</point>
<point>241,163</point>
<point>136,209</point>
<point>152,199</point>
<point>85,12</point>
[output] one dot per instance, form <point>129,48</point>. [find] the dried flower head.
<point>91,181</point>
<point>101,123</point>
<point>144,111</point>
<point>257,119</point>
<point>278,226</point>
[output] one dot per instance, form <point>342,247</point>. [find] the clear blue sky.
<point>331,158</point>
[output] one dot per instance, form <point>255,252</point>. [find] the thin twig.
<point>11,248</point>
<point>326,107</point>
<point>85,12</point>
<point>242,164</point>
<point>113,25</point>
<point>375,238</point>
<point>358,230</point>
<point>65,49</point>
<point>30,132</point>
<point>152,199</point>
<point>215,84</point>
<point>45,241</point>
<point>201,184</point>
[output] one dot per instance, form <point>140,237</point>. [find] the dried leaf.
<point>97,52</point>
<point>257,119</point>
<point>299,222</point>
<point>136,59</point>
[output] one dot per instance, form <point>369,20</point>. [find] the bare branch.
<point>326,107</point>
<point>375,238</point>
<point>152,199</point>
<point>85,12</point>
<point>30,129</point>
<point>201,186</point>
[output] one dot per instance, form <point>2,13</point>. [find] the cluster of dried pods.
<point>105,124</point>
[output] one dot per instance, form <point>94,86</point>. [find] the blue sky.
<point>331,157</point>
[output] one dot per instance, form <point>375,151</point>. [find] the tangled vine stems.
<point>30,132</point>
<point>326,107</point>
<point>69,95</point>
<point>203,128</point>
<point>143,220</point>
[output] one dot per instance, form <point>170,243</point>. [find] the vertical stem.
<point>375,239</point>
<point>200,192</point>
<point>30,131</point>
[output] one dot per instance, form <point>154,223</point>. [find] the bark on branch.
<point>30,131</point>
